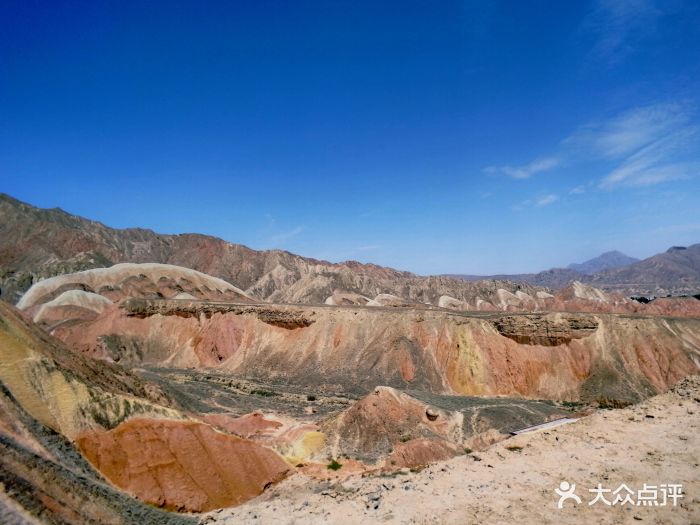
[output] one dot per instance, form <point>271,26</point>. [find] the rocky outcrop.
<point>446,301</point>
<point>421,452</point>
<point>250,425</point>
<point>369,429</point>
<point>182,465</point>
<point>400,429</point>
<point>578,290</point>
<point>340,298</point>
<point>275,315</point>
<point>545,330</point>
<point>387,299</point>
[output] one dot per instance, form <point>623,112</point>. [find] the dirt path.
<point>655,442</point>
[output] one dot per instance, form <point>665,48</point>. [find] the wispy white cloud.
<point>546,200</point>
<point>650,144</point>
<point>639,147</point>
<point>540,202</point>
<point>618,25</point>
<point>645,145</point>
<point>285,236</point>
<point>526,171</point>
<point>631,130</point>
<point>652,175</point>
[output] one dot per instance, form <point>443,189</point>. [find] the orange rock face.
<point>247,426</point>
<point>180,465</point>
<point>420,452</point>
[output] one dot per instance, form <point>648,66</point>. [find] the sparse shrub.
<point>607,403</point>
<point>467,450</point>
<point>514,448</point>
<point>571,404</point>
<point>311,397</point>
<point>264,393</point>
<point>334,465</point>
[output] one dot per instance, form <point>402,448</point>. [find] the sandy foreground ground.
<point>656,442</point>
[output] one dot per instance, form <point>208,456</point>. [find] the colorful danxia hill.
<point>148,378</point>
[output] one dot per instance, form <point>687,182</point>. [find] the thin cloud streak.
<point>642,146</point>
<point>526,171</point>
<point>540,202</point>
<point>546,200</point>
<point>619,25</point>
<point>630,131</point>
<point>655,153</point>
<point>285,236</point>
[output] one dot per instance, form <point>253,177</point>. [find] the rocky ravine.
<point>655,442</point>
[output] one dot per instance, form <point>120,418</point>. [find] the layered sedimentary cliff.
<point>556,356</point>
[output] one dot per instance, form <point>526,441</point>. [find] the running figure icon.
<point>565,492</point>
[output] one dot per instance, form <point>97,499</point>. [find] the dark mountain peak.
<point>605,261</point>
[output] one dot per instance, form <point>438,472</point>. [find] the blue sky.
<point>436,137</point>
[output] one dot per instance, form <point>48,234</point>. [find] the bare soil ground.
<point>654,442</point>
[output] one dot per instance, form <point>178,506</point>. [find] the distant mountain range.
<point>674,272</point>
<point>38,243</point>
